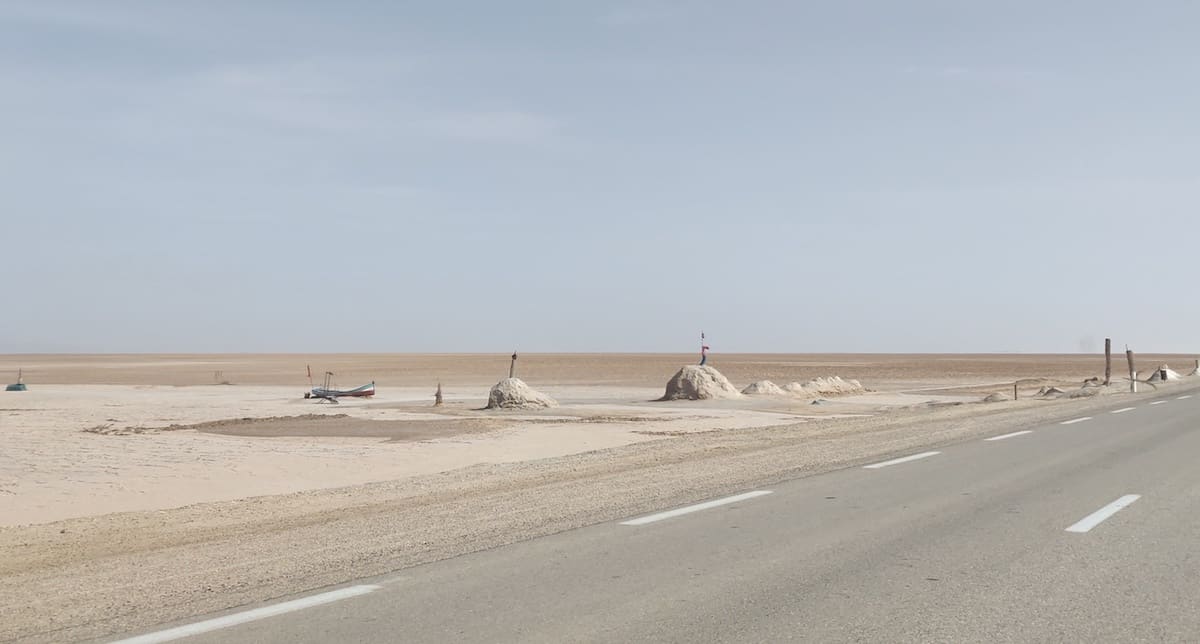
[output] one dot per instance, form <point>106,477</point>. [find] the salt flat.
<point>120,468</point>
<point>103,434</point>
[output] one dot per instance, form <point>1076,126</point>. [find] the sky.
<point>919,176</point>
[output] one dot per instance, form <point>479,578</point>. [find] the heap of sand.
<point>763,388</point>
<point>819,387</point>
<point>699,382</point>
<point>513,393</point>
<point>1164,373</point>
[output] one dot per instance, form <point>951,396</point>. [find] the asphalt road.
<point>1066,532</point>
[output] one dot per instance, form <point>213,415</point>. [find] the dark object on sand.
<point>18,386</point>
<point>327,392</point>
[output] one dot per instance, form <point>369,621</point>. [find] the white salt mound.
<point>995,398</point>
<point>513,393</point>
<point>695,382</point>
<point>763,388</point>
<point>1157,376</point>
<point>816,387</point>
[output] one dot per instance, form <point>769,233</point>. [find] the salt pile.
<point>995,398</point>
<point>1158,375</point>
<point>696,382</point>
<point>834,386</point>
<point>513,393</point>
<point>763,388</point>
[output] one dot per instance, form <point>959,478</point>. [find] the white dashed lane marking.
<point>1096,518</point>
<point>902,459</point>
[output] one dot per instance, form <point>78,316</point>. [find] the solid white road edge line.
<point>695,508</point>
<point>1121,411</point>
<point>897,461</point>
<point>1096,518</point>
<point>235,619</point>
<point>1077,420</point>
<point>1158,402</point>
<point>1000,438</point>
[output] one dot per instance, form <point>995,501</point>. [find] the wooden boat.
<point>365,391</point>
<point>326,392</point>
<point>18,386</point>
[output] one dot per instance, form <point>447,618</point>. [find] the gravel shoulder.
<point>105,575</point>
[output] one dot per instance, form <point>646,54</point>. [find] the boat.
<point>326,392</point>
<point>17,386</point>
<point>365,391</point>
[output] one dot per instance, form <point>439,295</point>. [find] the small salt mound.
<point>1050,392</point>
<point>697,382</point>
<point>1158,375</point>
<point>513,393</point>
<point>834,386</point>
<point>763,388</point>
<point>995,398</point>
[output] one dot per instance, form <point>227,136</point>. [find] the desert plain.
<point>125,478</point>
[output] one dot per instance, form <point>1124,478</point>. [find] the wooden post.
<point>1132,373</point>
<point>1107,361</point>
<point>512,367</point>
<point>1014,391</point>
<point>437,396</point>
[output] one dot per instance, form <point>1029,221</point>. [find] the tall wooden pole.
<point>1107,361</point>
<point>1132,373</point>
<point>512,367</point>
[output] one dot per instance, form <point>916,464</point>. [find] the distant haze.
<point>599,176</point>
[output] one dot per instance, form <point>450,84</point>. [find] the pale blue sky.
<point>599,176</point>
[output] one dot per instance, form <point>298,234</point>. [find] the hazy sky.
<point>599,176</point>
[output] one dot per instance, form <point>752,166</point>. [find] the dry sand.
<point>91,436</point>
<point>147,435</point>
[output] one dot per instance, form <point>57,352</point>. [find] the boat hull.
<point>365,391</point>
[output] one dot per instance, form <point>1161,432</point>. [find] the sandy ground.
<point>630,370</point>
<point>234,494</point>
<point>79,450</point>
<point>103,434</point>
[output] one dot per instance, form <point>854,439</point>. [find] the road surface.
<point>1077,531</point>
